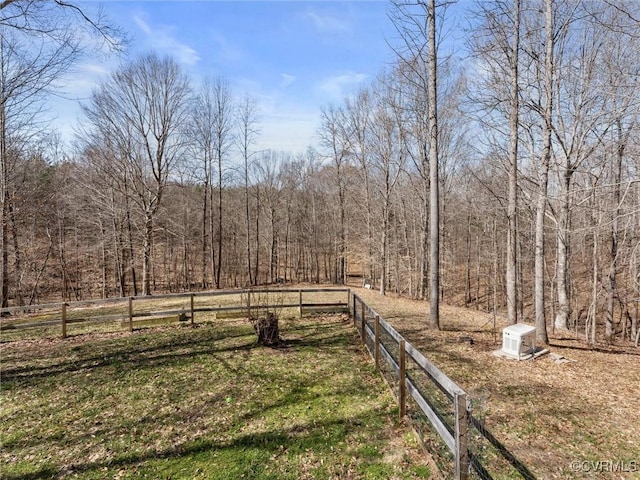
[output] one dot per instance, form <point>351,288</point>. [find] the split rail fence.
<point>133,312</point>
<point>425,394</point>
<point>432,399</point>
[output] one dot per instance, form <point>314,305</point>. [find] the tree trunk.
<point>384,255</point>
<point>247,220</point>
<point>4,198</point>
<point>132,263</point>
<point>613,262</point>
<point>543,181</point>
<point>512,232</point>
<point>562,265</point>
<point>257,260</point>
<point>146,254</point>
<point>220,222</point>
<point>204,234</point>
<point>434,231</point>
<point>467,289</point>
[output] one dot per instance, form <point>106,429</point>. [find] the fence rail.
<point>450,416</point>
<point>132,311</point>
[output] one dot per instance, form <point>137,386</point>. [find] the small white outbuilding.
<point>519,340</point>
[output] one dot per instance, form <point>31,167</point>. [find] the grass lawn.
<point>185,402</point>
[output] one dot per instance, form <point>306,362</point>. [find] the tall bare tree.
<point>416,23</point>
<point>512,205</point>
<point>39,42</point>
<point>434,177</point>
<point>388,155</point>
<point>337,141</point>
<point>543,174</point>
<point>582,122</point>
<point>223,139</point>
<point>143,107</point>
<point>248,131</point>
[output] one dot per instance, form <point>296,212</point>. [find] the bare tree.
<point>25,80</point>
<point>223,138</point>
<point>202,133</point>
<point>58,20</point>
<point>142,106</point>
<point>337,141</point>
<point>512,206</point>
<point>621,70</point>
<point>359,113</point>
<point>581,123</point>
<point>248,131</point>
<point>416,24</point>
<point>434,216</point>
<point>543,174</point>
<point>39,42</point>
<point>388,154</point>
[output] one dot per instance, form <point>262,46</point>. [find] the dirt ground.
<point>577,419</point>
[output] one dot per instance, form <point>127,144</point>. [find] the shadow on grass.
<point>318,438</point>
<point>168,347</point>
<point>124,352</point>
<point>321,438</point>
<point>178,345</point>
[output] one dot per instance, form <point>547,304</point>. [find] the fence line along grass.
<point>201,401</point>
<point>116,314</point>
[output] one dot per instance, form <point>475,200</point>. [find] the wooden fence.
<point>446,407</point>
<point>421,385</point>
<point>132,312</point>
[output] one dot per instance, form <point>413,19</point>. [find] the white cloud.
<point>162,39</point>
<point>337,87</point>
<point>327,23</point>
<point>78,84</point>
<point>286,80</point>
<point>142,25</point>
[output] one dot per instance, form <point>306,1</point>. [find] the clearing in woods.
<point>204,402</point>
<point>563,420</point>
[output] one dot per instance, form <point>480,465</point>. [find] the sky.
<point>293,57</point>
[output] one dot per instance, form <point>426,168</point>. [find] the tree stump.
<point>267,330</point>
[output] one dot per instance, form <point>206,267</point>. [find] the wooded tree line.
<point>538,176</point>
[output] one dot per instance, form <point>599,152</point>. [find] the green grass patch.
<point>201,402</point>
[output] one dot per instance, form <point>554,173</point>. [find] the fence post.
<point>363,322</point>
<point>131,314</point>
<point>64,320</point>
<point>462,431</point>
<point>300,303</point>
<point>355,309</point>
<point>403,384</point>
<point>376,345</point>
<point>192,312</point>
<point>349,301</point>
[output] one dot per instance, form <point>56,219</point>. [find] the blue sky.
<point>293,56</point>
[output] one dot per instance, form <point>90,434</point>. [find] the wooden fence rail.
<point>242,302</point>
<point>455,435</point>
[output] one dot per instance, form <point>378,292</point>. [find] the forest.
<point>518,166</point>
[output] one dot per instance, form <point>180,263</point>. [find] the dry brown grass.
<point>547,414</point>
